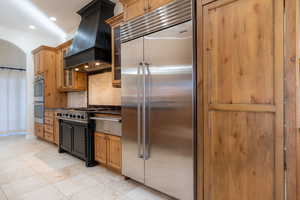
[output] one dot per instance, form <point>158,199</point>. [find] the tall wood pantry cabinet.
<point>240,99</point>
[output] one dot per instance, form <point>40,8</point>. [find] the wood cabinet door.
<point>42,61</point>
<point>242,58</point>
<point>135,8</point>
<point>39,130</point>
<point>114,159</point>
<point>153,4</point>
<point>101,148</point>
<point>36,63</point>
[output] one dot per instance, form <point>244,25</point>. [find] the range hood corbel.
<point>92,42</point>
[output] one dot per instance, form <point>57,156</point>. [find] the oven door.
<point>39,89</point>
<point>39,112</point>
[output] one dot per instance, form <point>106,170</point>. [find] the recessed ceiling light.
<point>86,66</point>
<point>97,64</point>
<point>32,27</point>
<point>76,69</point>
<point>53,19</point>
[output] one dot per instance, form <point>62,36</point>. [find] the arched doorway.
<point>13,98</point>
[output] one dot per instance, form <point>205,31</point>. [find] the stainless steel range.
<point>83,115</point>
<point>77,127</point>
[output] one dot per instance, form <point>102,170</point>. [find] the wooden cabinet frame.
<point>291,67</point>
<point>115,22</point>
<point>78,79</point>
<point>108,150</point>
<point>283,123</point>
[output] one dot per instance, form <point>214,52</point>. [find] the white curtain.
<point>12,101</point>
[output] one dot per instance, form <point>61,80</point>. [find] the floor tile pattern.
<point>32,169</point>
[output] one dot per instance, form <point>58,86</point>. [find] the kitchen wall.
<point>27,41</point>
<point>11,55</point>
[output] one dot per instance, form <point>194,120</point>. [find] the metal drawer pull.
<point>107,119</point>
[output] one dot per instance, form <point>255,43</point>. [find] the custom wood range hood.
<point>91,48</point>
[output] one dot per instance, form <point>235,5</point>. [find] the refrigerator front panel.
<point>132,87</point>
<point>169,102</point>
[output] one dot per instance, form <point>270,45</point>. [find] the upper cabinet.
<point>43,56</point>
<point>153,4</point>
<point>45,59</point>
<point>68,80</point>
<point>115,23</point>
<point>136,8</point>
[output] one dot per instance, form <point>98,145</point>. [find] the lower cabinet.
<point>39,130</point>
<point>47,131</point>
<point>108,150</point>
<point>101,148</point>
<point>78,140</point>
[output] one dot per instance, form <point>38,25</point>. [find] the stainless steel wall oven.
<point>39,99</point>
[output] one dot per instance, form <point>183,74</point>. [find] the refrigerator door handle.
<point>147,89</point>
<point>140,150</point>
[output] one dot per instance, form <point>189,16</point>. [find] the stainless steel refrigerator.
<point>157,109</point>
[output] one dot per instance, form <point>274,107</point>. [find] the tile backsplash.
<point>77,99</point>
<point>101,92</point>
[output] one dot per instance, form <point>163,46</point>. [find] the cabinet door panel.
<point>66,136</point>
<point>79,141</point>
<point>114,152</point>
<point>242,66</point>
<point>100,148</point>
<point>135,8</point>
<point>39,130</point>
<point>153,4</point>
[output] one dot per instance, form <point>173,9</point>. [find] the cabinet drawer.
<point>49,120</point>
<point>49,128</point>
<point>49,136</point>
<point>49,114</point>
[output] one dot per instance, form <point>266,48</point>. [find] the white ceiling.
<point>14,14</point>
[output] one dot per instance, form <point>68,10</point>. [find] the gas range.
<point>83,114</point>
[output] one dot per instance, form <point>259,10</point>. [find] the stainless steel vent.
<point>174,13</point>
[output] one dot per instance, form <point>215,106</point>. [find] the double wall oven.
<point>39,99</point>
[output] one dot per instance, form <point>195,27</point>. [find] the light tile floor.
<point>32,169</point>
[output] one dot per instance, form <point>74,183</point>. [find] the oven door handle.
<point>107,119</point>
